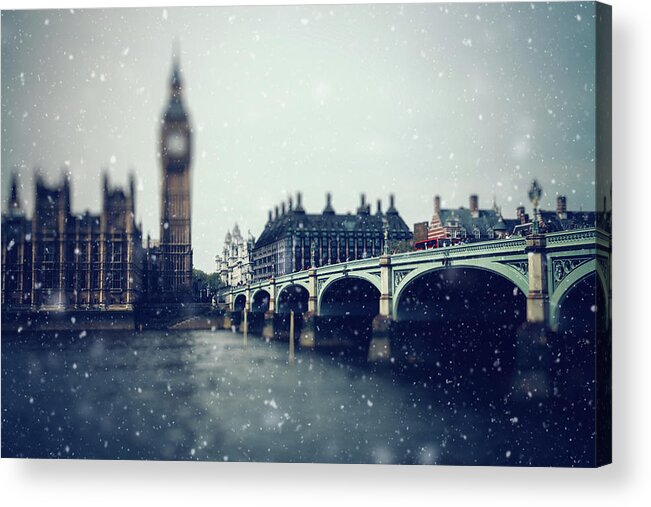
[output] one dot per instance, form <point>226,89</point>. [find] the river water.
<point>200,395</point>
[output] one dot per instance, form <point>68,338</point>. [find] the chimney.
<point>474,205</point>
<point>561,207</point>
<point>282,208</point>
<point>299,203</point>
<point>379,207</point>
<point>132,191</point>
<point>328,210</point>
<point>276,212</point>
<point>363,207</point>
<point>392,202</point>
<point>291,203</point>
<point>14,202</point>
<point>437,204</point>
<point>270,215</point>
<point>519,214</point>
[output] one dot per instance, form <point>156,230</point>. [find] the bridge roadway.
<point>544,267</point>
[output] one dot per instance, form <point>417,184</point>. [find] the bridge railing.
<point>483,246</point>
<point>573,236</point>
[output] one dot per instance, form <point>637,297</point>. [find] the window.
<point>48,279</point>
<point>116,279</point>
<point>94,251</point>
<point>48,252</point>
<point>116,254</point>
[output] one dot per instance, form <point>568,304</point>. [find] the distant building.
<point>563,220</point>
<point>57,259</point>
<point>420,231</point>
<point>16,252</point>
<point>235,264</point>
<point>475,224</point>
<point>62,260</point>
<point>469,224</point>
<point>293,240</point>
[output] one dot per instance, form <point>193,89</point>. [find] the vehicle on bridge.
<point>428,244</point>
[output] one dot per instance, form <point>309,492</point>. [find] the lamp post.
<point>313,253</point>
<point>385,230</point>
<point>534,196</point>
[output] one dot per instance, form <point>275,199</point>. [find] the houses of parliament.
<point>60,259</point>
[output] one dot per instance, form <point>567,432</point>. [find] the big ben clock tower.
<point>175,224</point>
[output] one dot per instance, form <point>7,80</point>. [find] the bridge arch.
<point>460,324</point>
<point>260,301</point>
<point>292,296</point>
<point>574,346</point>
<point>372,279</point>
<point>239,303</point>
<point>566,285</point>
<point>511,274</point>
<point>347,307</point>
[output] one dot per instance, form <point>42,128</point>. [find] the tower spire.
<point>176,67</point>
<point>14,199</point>
<point>175,110</point>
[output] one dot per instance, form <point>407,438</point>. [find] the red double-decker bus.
<point>428,244</point>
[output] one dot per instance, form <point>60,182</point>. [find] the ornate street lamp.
<point>534,196</point>
<point>385,229</point>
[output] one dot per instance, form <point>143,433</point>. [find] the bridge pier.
<point>245,322</point>
<point>268,329</point>
<point>272,295</point>
<point>380,347</point>
<point>532,362</point>
<point>235,320</point>
<point>227,322</point>
<point>538,296</point>
<point>311,290</point>
<point>532,351</point>
<point>308,331</point>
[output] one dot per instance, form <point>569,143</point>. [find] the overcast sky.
<point>417,100</point>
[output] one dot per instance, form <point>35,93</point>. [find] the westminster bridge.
<point>542,269</point>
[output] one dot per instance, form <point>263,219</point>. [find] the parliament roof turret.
<point>296,220</point>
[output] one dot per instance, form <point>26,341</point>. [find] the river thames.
<point>200,395</point>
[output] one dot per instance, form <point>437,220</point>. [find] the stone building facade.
<point>57,259</point>
<point>475,224</point>
<point>293,240</point>
<point>235,264</point>
<point>61,260</point>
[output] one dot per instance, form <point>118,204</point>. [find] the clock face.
<point>175,144</point>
